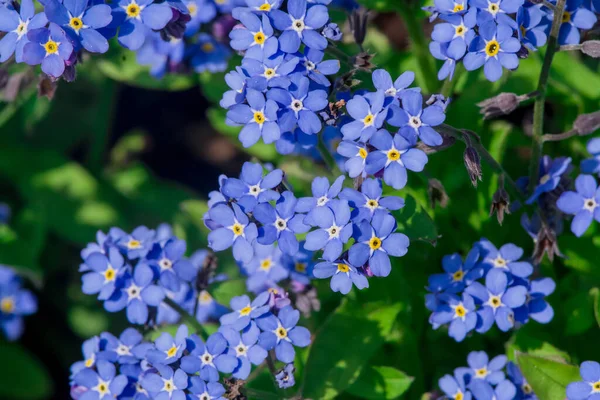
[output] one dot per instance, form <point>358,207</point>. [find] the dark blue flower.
<point>15,302</point>
<point>300,25</point>
<point>209,55</point>
<point>592,165</point>
<point>255,37</point>
<point>125,349</point>
<point>394,156</point>
<point>550,172</point>
<point>335,229</point>
<point>49,47</point>
<point>209,359</point>
<point>236,230</point>
<point>575,17</point>
<point>166,384</point>
<point>300,265</point>
<point>343,275</point>
<point>457,274</point>
<point>533,27</point>
<point>457,31</point>
<point>370,199</point>
<point>17,25</point>
<point>244,311</point>
<point>482,368</point>
<point>134,17</point>
<point>246,349</point>
<point>259,118</point>
<point>104,272</point>
<point>168,349</point>
<point>589,388</point>
<point>101,385</point>
<point>322,193</point>
<point>507,258</point>
<point>282,333</point>
<point>376,241</point>
<point>458,312</point>
<point>584,204</point>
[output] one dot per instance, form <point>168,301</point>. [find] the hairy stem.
<point>540,101</point>
<point>187,317</point>
<point>559,136</point>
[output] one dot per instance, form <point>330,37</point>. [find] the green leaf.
<point>87,322</point>
<point>415,223</point>
<point>580,316</point>
<point>344,345</point>
<point>548,378</point>
<point>378,383</point>
<point>595,293</point>
<point>223,292</point>
<point>23,376</point>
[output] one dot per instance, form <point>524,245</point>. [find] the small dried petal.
<point>437,193</point>
<point>586,124</point>
<point>473,165</point>
<point>363,62</point>
<point>500,204</point>
<point>591,48</point>
<point>47,87</point>
<point>503,104</point>
<point>545,243</point>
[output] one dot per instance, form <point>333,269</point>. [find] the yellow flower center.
<point>458,275</point>
<point>51,47</point>
<point>281,332</point>
<point>343,268</point>
<point>458,7</point>
<point>265,264</point>
<point>172,351</point>
<point>89,362</point>
<point>493,8</point>
<point>245,311</point>
<point>134,244</point>
<point>204,297</point>
<point>460,30</point>
<point>372,204</point>
<point>102,388</point>
<point>393,155</point>
<point>499,262</point>
<point>265,7</point>
<point>259,117</point>
<point>460,311</point>
<point>269,72</point>
<point>300,267</point>
<point>273,290</point>
<point>208,47</point>
<point>459,396</point>
<point>133,10</point>
<point>192,9</point>
<point>259,37</point>
<point>527,389</point>
<point>368,120</point>
<point>7,305</point>
<point>237,229</point>
<point>374,243</point>
<point>481,373</point>
<point>76,23</point>
<point>362,153</point>
<point>566,17</point>
<point>544,179</point>
<point>21,28</point>
<point>109,274</point>
<point>523,31</point>
<point>596,387</point>
<point>492,48</point>
<point>495,301</point>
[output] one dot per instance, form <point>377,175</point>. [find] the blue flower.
<point>264,268</point>
<point>209,55</point>
<point>590,386</point>
<point>343,275</point>
<point>376,241</point>
<point>451,6</point>
<point>382,81</point>
<point>269,72</point>
<point>300,25</point>
<point>159,55</point>
<point>322,193</point>
<point>252,187</point>
<point>135,17</point>
<point>550,173</point>
<point>300,265</point>
<point>258,117</point>
<point>209,359</point>
<point>458,312</point>
<point>524,389</point>
<point>4,213</point>
<point>166,314</point>
<point>104,272</point>
<point>356,154</point>
<point>497,11</point>
<point>208,308</point>
<point>506,258</point>
<point>394,156</point>
<point>139,243</point>
<point>335,229</point>
<point>205,390</point>
<point>15,302</point>
<point>236,80</point>
<point>440,52</point>
<point>285,377</point>
<point>236,230</point>
<point>592,165</point>
<point>125,349</point>
<point>484,391</point>
<point>168,349</point>
<point>494,49</point>
<point>312,65</point>
<point>49,47</point>
<point>333,32</point>
<point>17,25</point>
<point>454,387</point>
<point>255,37</point>
<point>299,106</point>
<point>584,204</point>
<point>414,120</point>
<point>166,384</point>
<point>263,5</point>
<point>575,17</point>
<point>244,311</point>
<point>81,22</point>
<point>136,293</point>
<point>282,333</point>
<point>245,349</point>
<point>101,385</point>
<point>457,274</point>
<point>370,199</point>
<point>497,300</point>
<point>458,32</point>
<point>368,114</point>
<point>170,265</point>
<point>482,368</point>
<point>90,349</point>
<point>200,11</point>
<point>533,27</point>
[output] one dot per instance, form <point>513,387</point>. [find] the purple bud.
<point>473,164</point>
<point>285,377</point>
<point>503,104</point>
<point>587,123</point>
<point>591,48</point>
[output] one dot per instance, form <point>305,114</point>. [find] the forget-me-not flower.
<point>259,118</point>
<point>282,333</point>
<point>589,387</point>
<point>584,204</point>
<point>16,25</point>
<point>300,25</point>
<point>343,275</point>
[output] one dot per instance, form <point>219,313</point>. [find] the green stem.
<point>449,84</point>
<point>418,44</point>
<point>540,101</point>
<point>326,155</point>
<point>102,126</point>
<point>187,317</point>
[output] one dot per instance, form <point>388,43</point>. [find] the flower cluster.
<point>509,297</point>
<point>143,271</point>
<point>496,33</point>
<point>167,35</point>
<point>249,216</point>
<point>486,379</point>
<point>589,387</point>
<point>15,303</point>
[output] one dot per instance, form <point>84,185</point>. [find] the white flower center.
<point>298,25</point>
<point>500,262</point>
<point>165,264</point>
<point>169,385</point>
<point>280,224</point>
<point>241,349</point>
<point>415,122</point>
<point>254,190</point>
<point>297,105</point>
<point>321,201</point>
<point>123,350</point>
<point>309,65</point>
<point>206,358</point>
<point>391,92</point>
<point>590,204</point>
<point>334,231</point>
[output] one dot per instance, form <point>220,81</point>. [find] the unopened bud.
<point>587,123</point>
<point>503,104</point>
<point>545,243</point>
<point>591,48</point>
<point>439,100</point>
<point>437,193</point>
<point>47,87</point>
<point>332,32</point>
<point>358,25</point>
<point>363,61</point>
<point>500,203</point>
<point>473,164</point>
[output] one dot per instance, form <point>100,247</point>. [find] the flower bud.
<point>473,164</point>
<point>332,32</point>
<point>503,104</point>
<point>46,87</point>
<point>587,123</point>
<point>591,48</point>
<point>545,243</point>
<point>437,193</point>
<point>363,61</point>
<point>500,203</point>
<point>358,25</point>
